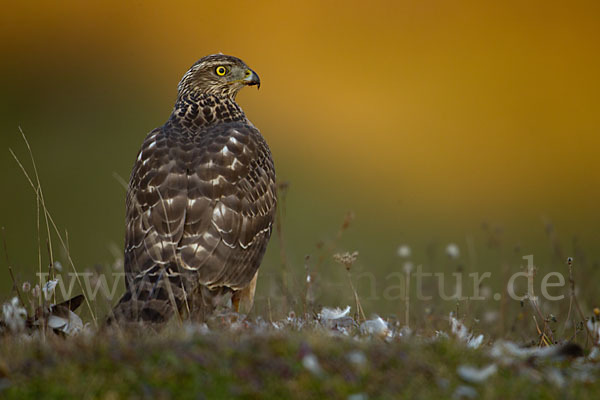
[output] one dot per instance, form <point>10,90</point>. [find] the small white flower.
<point>311,363</point>
<point>462,333</point>
<point>404,251</point>
<point>376,326</point>
<point>333,313</point>
<point>407,267</point>
<point>476,375</point>
<point>508,352</point>
<point>14,315</point>
<point>346,259</point>
<point>441,335</point>
<point>49,287</point>
<point>465,392</point>
<point>277,325</point>
<point>357,358</point>
<point>192,329</point>
<point>458,328</point>
<point>594,328</point>
<point>475,342</point>
<point>405,331</point>
<point>452,250</point>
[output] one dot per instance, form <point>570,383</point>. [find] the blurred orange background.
<point>426,118</point>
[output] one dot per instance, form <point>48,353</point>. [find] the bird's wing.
<point>155,207</point>
<point>205,202</point>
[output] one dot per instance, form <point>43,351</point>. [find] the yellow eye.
<point>221,70</point>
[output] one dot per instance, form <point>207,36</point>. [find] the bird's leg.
<point>243,300</point>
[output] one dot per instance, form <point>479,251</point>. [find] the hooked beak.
<point>251,78</point>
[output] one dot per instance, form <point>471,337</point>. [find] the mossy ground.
<point>254,364</point>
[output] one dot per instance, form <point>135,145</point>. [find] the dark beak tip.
<point>254,79</point>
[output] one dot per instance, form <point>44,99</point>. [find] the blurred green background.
<point>470,122</point>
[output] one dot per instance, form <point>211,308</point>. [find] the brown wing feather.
<point>204,202</point>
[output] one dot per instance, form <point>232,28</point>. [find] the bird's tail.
<point>161,294</point>
<point>153,297</point>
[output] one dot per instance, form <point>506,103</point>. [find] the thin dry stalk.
<point>572,292</point>
<point>307,287</point>
<point>39,198</point>
<point>348,218</point>
<point>347,260</point>
<point>359,309</point>
<point>39,245</point>
<point>121,181</point>
<point>269,310</point>
<point>332,246</point>
<point>10,270</point>
<point>536,307</point>
<point>407,301</point>
<point>573,300</point>
<point>282,189</point>
<point>542,335</point>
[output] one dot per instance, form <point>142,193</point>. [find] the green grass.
<point>256,364</point>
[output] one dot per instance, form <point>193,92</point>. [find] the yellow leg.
<point>244,299</point>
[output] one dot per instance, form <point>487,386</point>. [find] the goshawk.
<point>200,203</point>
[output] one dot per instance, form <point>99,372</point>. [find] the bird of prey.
<point>200,203</point>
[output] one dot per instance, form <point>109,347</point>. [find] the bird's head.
<point>218,74</point>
